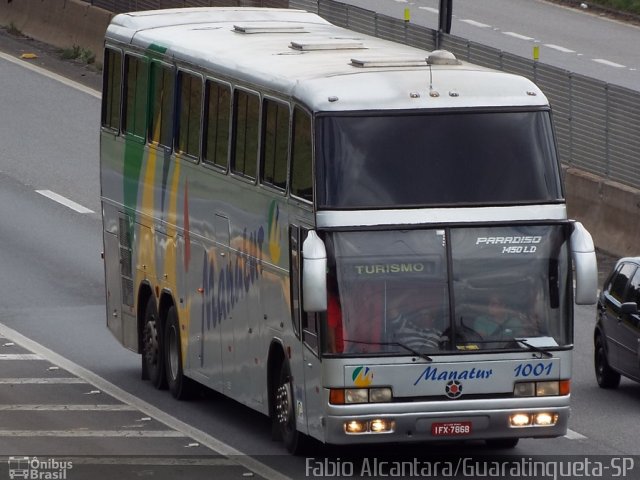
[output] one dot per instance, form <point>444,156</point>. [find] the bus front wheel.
<point>152,347</point>
<point>284,414</point>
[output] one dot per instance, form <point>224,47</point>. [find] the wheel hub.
<point>283,403</point>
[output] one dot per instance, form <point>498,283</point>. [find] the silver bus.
<point>365,241</point>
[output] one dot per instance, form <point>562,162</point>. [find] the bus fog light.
<point>377,395</point>
<point>545,389</point>
<point>545,419</point>
<point>380,425</point>
<point>520,420</point>
<point>356,395</point>
<point>525,389</point>
<point>355,426</point>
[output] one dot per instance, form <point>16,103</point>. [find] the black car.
<point>617,333</point>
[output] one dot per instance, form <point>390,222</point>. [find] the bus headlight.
<point>356,395</point>
<point>378,425</point>
<point>348,396</point>
<point>545,419</point>
<point>542,389</point>
<point>378,395</point>
<point>520,420</point>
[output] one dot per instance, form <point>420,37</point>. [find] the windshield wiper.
<point>533,348</point>
<point>395,344</point>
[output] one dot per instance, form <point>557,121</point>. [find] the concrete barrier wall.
<point>62,23</point>
<point>609,210</point>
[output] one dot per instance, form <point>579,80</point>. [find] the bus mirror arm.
<point>586,266</point>
<point>314,274</point>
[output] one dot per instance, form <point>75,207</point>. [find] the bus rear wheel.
<point>152,347</point>
<point>284,413</point>
<point>180,386</point>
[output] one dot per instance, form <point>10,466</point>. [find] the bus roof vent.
<point>269,28</point>
<point>442,57</point>
<point>372,62</point>
<point>327,44</point>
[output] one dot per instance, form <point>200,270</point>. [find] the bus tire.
<point>181,387</point>
<point>605,375</point>
<point>285,417</point>
<point>152,347</point>
<point>502,442</point>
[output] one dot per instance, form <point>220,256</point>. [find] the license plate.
<point>447,429</point>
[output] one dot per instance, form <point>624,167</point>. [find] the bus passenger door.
<point>311,408</point>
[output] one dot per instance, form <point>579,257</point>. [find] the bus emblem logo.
<point>362,377</point>
<point>453,389</point>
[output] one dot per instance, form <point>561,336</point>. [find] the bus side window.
<point>275,144</point>
<point>112,94</point>
<point>189,109</point>
<point>161,108</point>
<point>301,155</point>
<point>216,128</point>
<point>246,120</point>
<point>136,81</point>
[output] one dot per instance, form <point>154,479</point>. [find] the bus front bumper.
<point>446,426</point>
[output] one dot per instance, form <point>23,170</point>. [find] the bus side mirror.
<point>314,274</point>
<point>586,265</point>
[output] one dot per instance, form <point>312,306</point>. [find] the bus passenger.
<point>414,325</point>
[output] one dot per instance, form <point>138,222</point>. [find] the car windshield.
<point>444,290</point>
<point>425,159</point>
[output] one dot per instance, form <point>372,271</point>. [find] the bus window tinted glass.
<point>301,154</point>
<point>472,158</point>
<point>216,117</point>
<point>135,95</point>
<point>189,106</point>
<point>112,83</point>
<point>245,133</point>
<point>275,146</point>
<point>161,115</point>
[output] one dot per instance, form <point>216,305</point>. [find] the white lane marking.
<point>146,408</point>
<point>609,63</point>
<point>559,48</point>
<point>20,356</point>
<point>519,36</point>
<point>571,435</point>
<point>430,9</point>
<point>41,381</point>
<point>64,408</point>
<point>474,23</point>
<point>93,433</point>
<point>64,201</point>
<point>53,76</point>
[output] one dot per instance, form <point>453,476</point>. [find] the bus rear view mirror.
<point>586,266</point>
<point>314,274</point>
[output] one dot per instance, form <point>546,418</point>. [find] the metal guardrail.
<point>597,123</point>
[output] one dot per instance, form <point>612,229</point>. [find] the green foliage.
<point>13,30</point>
<point>78,53</point>
<point>630,6</point>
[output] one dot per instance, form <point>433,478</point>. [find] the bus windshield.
<point>447,290</point>
<point>443,158</point>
